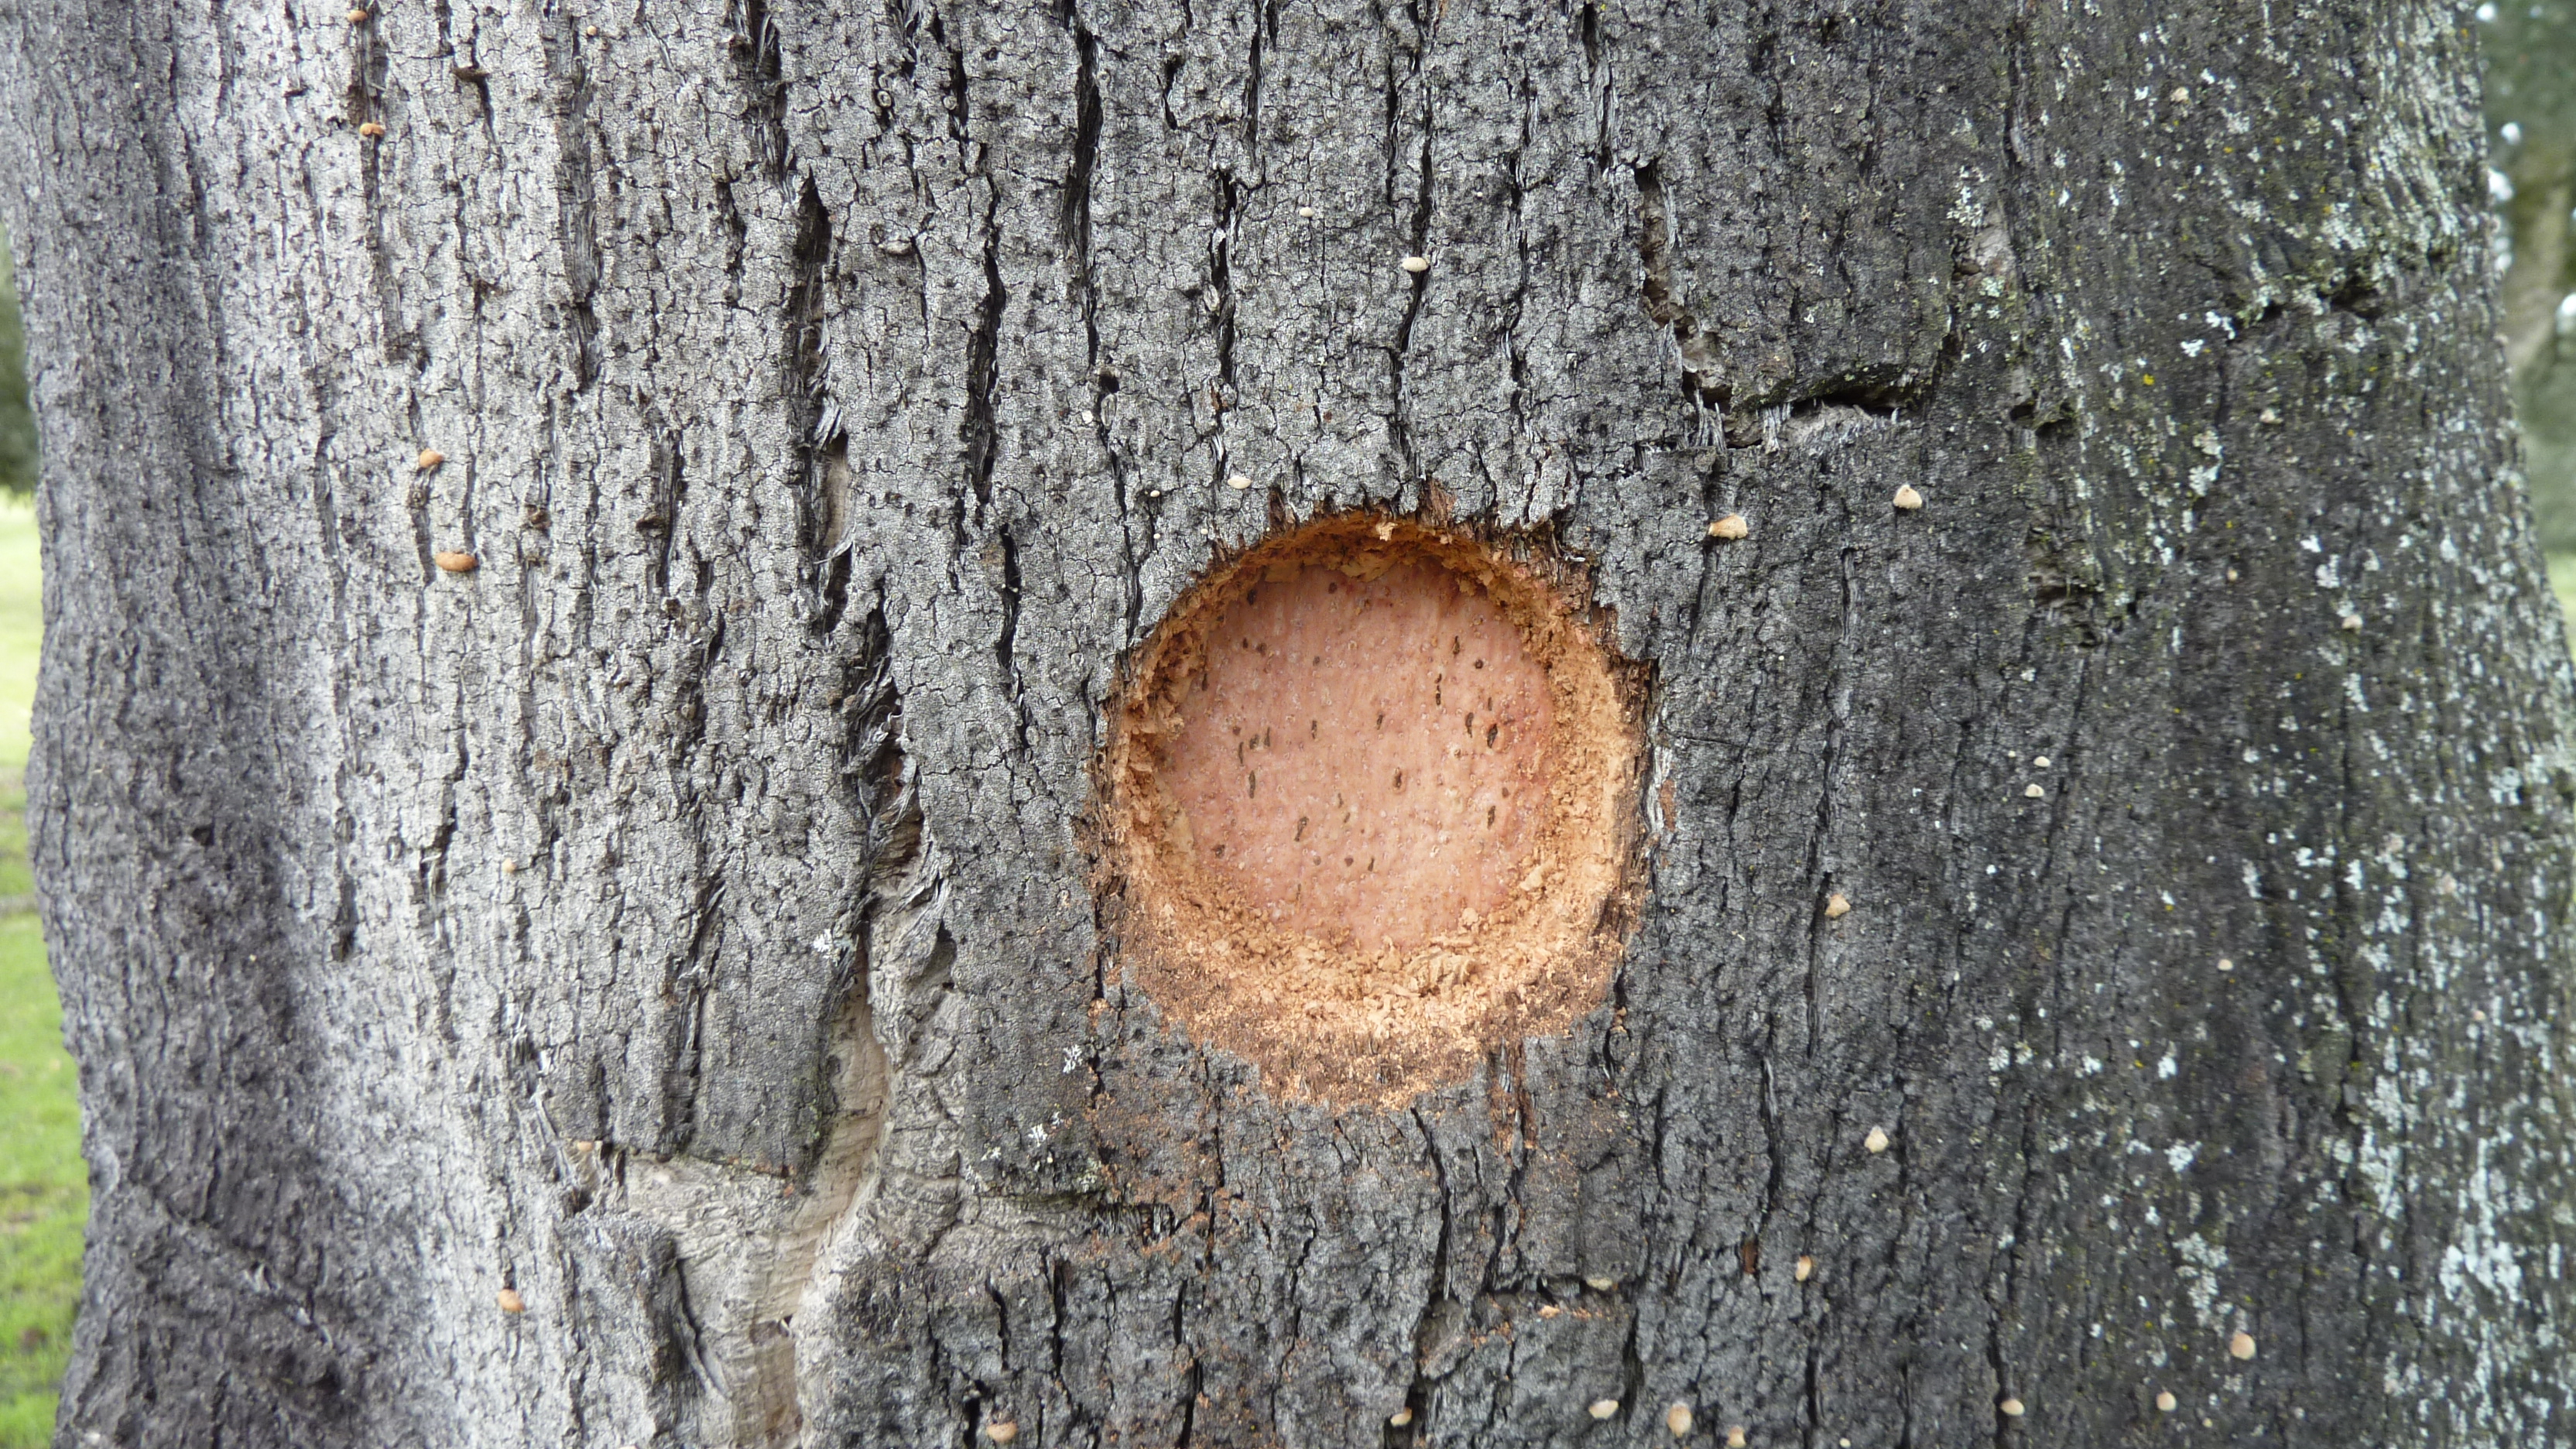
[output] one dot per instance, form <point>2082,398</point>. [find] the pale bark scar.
<point>1373,807</point>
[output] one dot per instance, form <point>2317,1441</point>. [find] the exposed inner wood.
<point>1364,759</point>
<point>1375,785</point>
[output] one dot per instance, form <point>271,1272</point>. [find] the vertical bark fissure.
<point>692,977</point>
<point>568,102</point>
<point>805,362</point>
<point>1075,222</point>
<point>1418,236</point>
<point>1702,382</point>
<point>1436,1287</point>
<point>1223,399</point>
<point>983,356</point>
<point>761,72</point>
<point>660,523</point>
<point>1006,642</point>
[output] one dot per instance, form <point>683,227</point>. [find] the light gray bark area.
<point>684,921</point>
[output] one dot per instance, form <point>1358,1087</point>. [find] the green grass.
<point>44,1196</point>
<point>21,626</point>
<point>44,1193</point>
<point>2562,582</point>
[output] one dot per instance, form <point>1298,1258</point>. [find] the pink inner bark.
<point>1365,760</point>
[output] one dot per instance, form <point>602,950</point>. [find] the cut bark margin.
<point>1372,806</point>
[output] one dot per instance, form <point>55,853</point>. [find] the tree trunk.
<point>666,984</point>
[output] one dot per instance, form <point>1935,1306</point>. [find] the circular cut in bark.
<point>1372,808</point>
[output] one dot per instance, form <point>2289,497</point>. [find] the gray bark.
<point>684,921</point>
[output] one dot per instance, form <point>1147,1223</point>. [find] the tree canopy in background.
<point>17,424</point>
<point>2531,126</point>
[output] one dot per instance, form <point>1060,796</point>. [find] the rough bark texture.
<point>682,921</point>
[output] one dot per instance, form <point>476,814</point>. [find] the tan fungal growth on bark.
<point>1238,482</point>
<point>454,561</point>
<point>2012,1408</point>
<point>1400,1418</point>
<point>2166,1403</point>
<point>1604,1408</point>
<point>2226,965</point>
<point>1806,1268</point>
<point>2039,762</point>
<point>1906,498</point>
<point>1549,1310</point>
<point>1678,1420</point>
<point>2241,1345</point>
<point>1373,800</point>
<point>1002,1432</point>
<point>1417,265</point>
<point>372,129</point>
<point>1732,526</point>
<point>1876,1141</point>
<point>429,458</point>
<point>1837,906</point>
<point>1600,1285</point>
<point>357,17</point>
<point>510,1301</point>
<point>1735,1436</point>
<point>2351,622</point>
<point>2034,790</point>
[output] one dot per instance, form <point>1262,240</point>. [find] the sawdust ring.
<point>1321,1016</point>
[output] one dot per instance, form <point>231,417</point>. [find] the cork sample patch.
<point>1372,800</point>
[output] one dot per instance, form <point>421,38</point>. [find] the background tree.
<point>654,987</point>
<point>17,423</point>
<point>2531,116</point>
